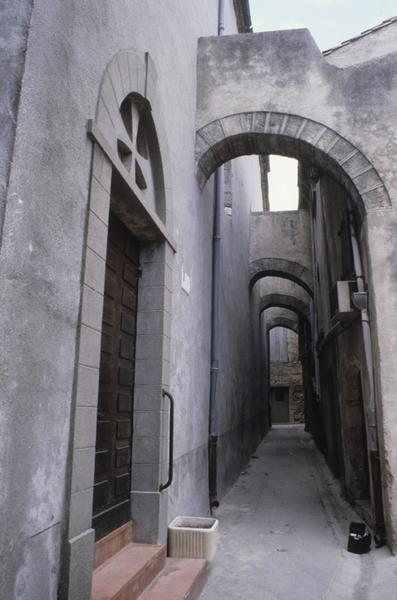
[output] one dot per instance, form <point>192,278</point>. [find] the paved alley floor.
<point>284,531</point>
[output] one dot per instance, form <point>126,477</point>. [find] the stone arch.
<point>285,301</point>
<point>280,267</point>
<point>130,79</point>
<point>282,322</point>
<point>267,132</point>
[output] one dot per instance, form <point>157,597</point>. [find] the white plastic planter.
<point>193,537</point>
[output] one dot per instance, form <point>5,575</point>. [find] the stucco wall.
<point>14,28</point>
<point>270,230</point>
<point>41,266</point>
<point>240,402</point>
<point>280,245</point>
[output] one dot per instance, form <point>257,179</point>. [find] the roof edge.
<point>373,29</point>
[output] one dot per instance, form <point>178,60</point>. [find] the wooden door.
<point>116,376</point>
<point>279,402</point>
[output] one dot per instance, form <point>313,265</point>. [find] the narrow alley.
<point>198,299</point>
<point>284,531</point>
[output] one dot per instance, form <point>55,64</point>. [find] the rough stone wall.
<point>290,375</point>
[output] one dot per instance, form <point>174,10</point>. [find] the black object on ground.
<point>359,539</point>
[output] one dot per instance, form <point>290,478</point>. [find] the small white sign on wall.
<point>185,282</point>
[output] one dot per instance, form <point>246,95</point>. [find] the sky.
<point>283,183</point>
<point>330,22</point>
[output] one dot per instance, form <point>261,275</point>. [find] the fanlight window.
<point>139,152</point>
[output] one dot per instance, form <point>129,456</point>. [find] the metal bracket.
<point>360,300</point>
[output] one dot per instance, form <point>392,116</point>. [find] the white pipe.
<point>314,302</point>
<point>215,314</point>
<point>221,17</point>
<point>366,328</point>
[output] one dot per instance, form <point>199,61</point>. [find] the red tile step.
<point>180,579</point>
<point>125,575</point>
<point>113,543</point>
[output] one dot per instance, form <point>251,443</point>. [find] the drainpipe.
<point>247,16</point>
<point>215,316</point>
<point>221,17</point>
<point>215,335</point>
<point>360,300</point>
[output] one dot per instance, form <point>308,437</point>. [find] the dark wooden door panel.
<point>116,376</point>
<point>124,403</point>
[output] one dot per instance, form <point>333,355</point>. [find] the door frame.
<point>111,506</point>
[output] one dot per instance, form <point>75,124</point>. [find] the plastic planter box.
<point>193,537</point>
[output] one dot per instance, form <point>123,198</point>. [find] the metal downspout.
<point>360,300</point>
<point>221,17</point>
<point>314,177</point>
<point>215,316</point>
<point>247,16</point>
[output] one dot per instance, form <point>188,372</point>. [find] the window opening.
<point>283,183</point>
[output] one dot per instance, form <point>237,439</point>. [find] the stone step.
<point>113,543</point>
<point>125,575</point>
<point>180,579</point>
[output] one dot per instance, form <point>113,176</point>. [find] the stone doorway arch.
<point>285,301</point>
<point>267,132</point>
<point>282,322</point>
<point>285,269</point>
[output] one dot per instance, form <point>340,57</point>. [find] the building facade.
<point>115,119</point>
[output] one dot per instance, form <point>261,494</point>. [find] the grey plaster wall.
<point>41,267</point>
<point>240,401</point>
<point>280,244</point>
<point>14,27</point>
<point>270,231</point>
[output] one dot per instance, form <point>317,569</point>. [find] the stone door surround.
<point>114,183</point>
